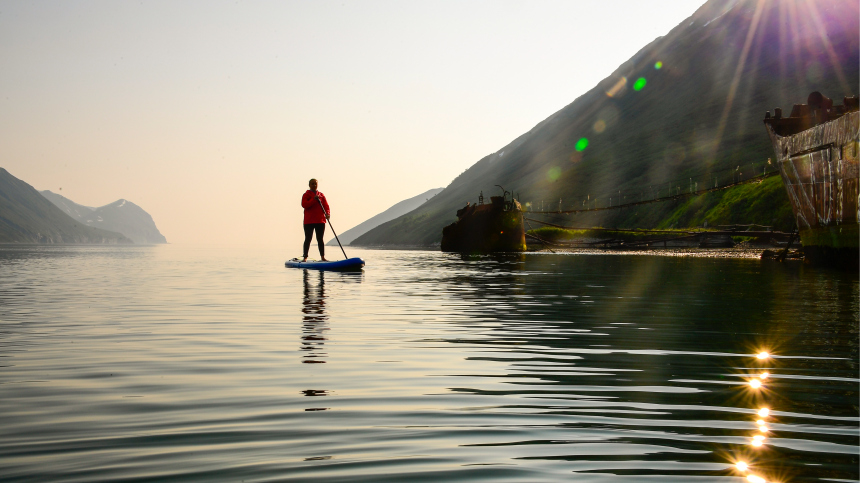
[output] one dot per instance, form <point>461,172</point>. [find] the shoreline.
<point>740,253</point>
<point>735,252</point>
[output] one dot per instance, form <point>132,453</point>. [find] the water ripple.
<point>175,363</point>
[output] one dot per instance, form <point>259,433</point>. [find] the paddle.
<point>332,228</point>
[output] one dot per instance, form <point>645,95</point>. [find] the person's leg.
<point>309,232</point>
<point>320,229</point>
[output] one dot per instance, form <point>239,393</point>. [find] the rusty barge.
<point>487,228</point>
<point>816,149</point>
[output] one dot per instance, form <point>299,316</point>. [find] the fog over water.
<point>187,363</point>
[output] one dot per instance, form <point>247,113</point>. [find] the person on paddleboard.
<point>316,214</point>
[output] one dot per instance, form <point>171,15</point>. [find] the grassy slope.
<point>764,203</point>
<point>678,130</point>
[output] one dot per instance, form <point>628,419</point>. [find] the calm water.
<point>178,363</point>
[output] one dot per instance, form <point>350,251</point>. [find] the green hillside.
<point>764,203</point>
<point>685,112</point>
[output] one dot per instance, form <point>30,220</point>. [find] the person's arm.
<point>307,200</point>
<point>325,205</point>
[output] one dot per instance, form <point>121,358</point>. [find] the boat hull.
<point>819,167</point>
<point>492,228</point>
<point>350,264</point>
<point>832,245</point>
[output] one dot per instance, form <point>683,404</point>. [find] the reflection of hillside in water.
<point>643,359</point>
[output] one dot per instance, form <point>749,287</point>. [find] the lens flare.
<point>599,126</point>
<point>763,375</point>
<point>658,65</point>
<point>582,144</point>
<point>762,355</point>
<point>755,383</point>
<point>760,422</point>
<point>639,84</point>
<point>617,88</point>
<point>554,173</point>
<point>742,466</point>
<point>763,412</point>
<point>763,428</point>
<point>756,442</point>
<point>755,479</point>
<point>759,437</point>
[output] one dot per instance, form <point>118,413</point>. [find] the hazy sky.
<point>212,115</point>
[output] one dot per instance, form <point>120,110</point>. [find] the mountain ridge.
<point>121,216</point>
<point>686,107</point>
<point>398,209</point>
<point>28,217</point>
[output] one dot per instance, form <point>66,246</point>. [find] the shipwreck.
<point>487,228</point>
<point>816,149</point>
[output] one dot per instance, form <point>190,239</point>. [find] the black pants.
<point>310,228</point>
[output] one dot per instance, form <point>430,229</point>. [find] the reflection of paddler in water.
<point>314,319</point>
<point>316,214</point>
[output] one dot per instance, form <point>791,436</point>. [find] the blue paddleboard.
<point>348,264</point>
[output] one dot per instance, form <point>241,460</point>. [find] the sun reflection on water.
<point>755,397</point>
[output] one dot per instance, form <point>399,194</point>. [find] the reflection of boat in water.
<point>315,316</point>
<point>816,149</point>
<point>314,320</point>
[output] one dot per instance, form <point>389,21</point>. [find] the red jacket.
<point>313,212</point>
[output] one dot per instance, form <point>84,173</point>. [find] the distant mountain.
<point>686,111</point>
<point>28,217</point>
<point>120,216</point>
<point>399,209</point>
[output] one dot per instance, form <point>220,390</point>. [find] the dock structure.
<point>720,238</point>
